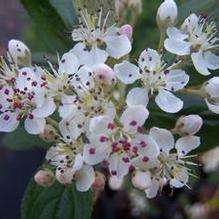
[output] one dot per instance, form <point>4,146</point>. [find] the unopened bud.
<point>126,30</point>
<point>104,74</point>
<point>99,182</point>
<point>49,134</point>
<point>141,180</point>
<point>188,125</point>
<point>167,14</point>
<point>115,183</point>
<point>135,5</point>
<point>44,178</point>
<point>19,52</point>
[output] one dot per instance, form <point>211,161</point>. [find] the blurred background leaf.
<point>21,140</point>
<point>56,202</point>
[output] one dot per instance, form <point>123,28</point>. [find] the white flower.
<point>69,165</point>
<point>19,52</point>
<point>211,89</point>
<point>155,78</point>
<point>26,98</point>
<point>118,145</point>
<point>96,42</point>
<point>58,82</point>
<point>173,165</point>
<point>188,125</point>
<point>92,98</point>
<point>198,39</point>
<point>167,13</point>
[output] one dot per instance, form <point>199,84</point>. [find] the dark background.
<point>17,167</point>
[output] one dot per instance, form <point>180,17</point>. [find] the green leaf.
<point>51,31</point>
<point>195,6</point>
<point>56,202</point>
<point>21,140</point>
<point>66,11</point>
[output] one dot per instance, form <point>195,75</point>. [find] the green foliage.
<point>53,22</point>
<point>21,140</point>
<point>56,202</point>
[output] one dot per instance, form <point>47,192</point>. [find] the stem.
<point>162,38</point>
<point>52,122</point>
<point>196,92</point>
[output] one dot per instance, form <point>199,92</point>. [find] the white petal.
<point>178,47</point>
<point>163,138</point>
<point>89,58</point>
<point>118,46</point>
<point>200,63</point>
<point>137,96</point>
<point>212,60</point>
<point>149,59</point>
<point>168,102</point>
<point>133,117</point>
<point>83,80</point>
<point>95,152</point>
<point>69,64</point>
<point>100,125</point>
<point>48,107</point>
<point>6,93</point>
<point>72,126</point>
<point>190,22</point>
<point>35,126</point>
<point>141,180</point>
<point>176,80</point>
<point>117,166</point>
<point>115,183</point>
<point>186,144</point>
<point>67,106</point>
<point>213,107</point>
<point>127,72</point>
<point>19,52</point>
<point>78,163</point>
<point>152,191</point>
<point>25,79</point>
<point>85,178</point>
<point>147,146</point>
<point>174,33</point>
<point>8,121</point>
<point>176,183</point>
<point>110,110</point>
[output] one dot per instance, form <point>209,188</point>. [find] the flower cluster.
<point>83,109</point>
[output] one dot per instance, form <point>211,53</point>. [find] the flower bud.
<point>210,91</point>
<point>49,133</point>
<point>104,74</point>
<point>121,5</point>
<point>188,125</point>
<point>19,52</point>
<point>126,30</point>
<point>141,180</point>
<point>167,14</point>
<point>44,178</point>
<point>99,182</point>
<point>115,183</point>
